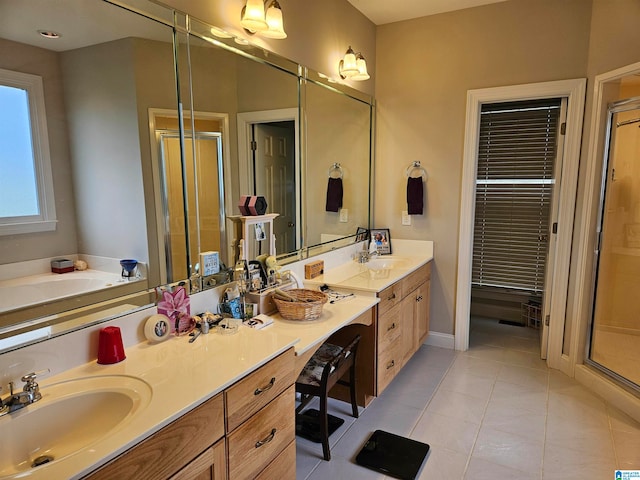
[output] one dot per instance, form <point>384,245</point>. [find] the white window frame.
<point>46,220</point>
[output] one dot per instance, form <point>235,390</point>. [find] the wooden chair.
<point>326,368</point>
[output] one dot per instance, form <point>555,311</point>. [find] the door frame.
<point>245,122</point>
<point>574,90</point>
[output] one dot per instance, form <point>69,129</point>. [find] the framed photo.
<point>362,234</point>
<point>382,239</point>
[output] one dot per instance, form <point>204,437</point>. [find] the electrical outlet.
<point>344,215</point>
<point>406,218</point>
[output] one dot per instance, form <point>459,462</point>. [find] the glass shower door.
<point>615,332</point>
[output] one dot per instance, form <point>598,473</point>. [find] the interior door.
<point>551,255</point>
<point>274,174</point>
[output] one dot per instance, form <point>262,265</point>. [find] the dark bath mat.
<point>393,455</point>
<point>307,425</point>
<point>513,324</point>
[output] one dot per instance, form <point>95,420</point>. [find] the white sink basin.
<point>386,263</point>
<point>71,416</point>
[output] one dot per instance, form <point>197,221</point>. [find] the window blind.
<point>516,157</point>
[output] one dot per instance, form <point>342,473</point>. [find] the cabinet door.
<point>210,465</point>
<point>422,312</point>
<point>172,448</point>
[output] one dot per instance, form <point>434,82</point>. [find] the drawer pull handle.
<point>268,386</point>
<point>419,299</point>
<point>391,327</point>
<point>267,439</point>
<point>391,364</point>
<point>392,296</point>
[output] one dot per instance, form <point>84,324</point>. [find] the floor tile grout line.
<point>475,440</point>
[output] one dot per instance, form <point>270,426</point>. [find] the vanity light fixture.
<point>353,66</point>
<point>267,23</point>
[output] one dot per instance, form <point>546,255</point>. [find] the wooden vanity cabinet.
<point>247,431</point>
<point>403,323</point>
<point>183,444</point>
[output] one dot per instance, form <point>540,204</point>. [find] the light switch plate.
<point>406,218</point>
<point>344,215</point>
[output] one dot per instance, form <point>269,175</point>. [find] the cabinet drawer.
<point>261,438</point>
<point>283,467</point>
<point>415,279</point>
<point>253,392</point>
<point>389,363</point>
<point>389,326</point>
<point>389,297</point>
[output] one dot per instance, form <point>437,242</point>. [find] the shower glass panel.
<point>615,331</point>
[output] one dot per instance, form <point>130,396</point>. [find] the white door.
<point>553,223</point>
<point>274,174</point>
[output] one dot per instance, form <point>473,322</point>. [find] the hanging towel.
<point>414,195</point>
<point>334,194</point>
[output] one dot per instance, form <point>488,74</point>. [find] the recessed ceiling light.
<point>49,34</point>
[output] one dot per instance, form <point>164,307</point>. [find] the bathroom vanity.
<point>220,407</point>
<point>247,430</point>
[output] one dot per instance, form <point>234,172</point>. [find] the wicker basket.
<point>308,309</point>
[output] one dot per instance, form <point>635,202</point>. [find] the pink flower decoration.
<point>175,305</point>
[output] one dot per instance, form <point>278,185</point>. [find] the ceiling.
<point>388,11</point>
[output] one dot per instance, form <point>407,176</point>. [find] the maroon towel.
<point>414,195</point>
<point>334,194</point>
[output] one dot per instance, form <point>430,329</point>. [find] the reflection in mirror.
<point>261,156</point>
<point>100,77</point>
<point>338,152</point>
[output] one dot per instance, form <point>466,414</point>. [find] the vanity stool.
<point>323,370</point>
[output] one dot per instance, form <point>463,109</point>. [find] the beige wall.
<point>319,32</point>
<point>424,69</point>
<point>17,248</point>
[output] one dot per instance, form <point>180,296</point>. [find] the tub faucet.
<point>15,401</point>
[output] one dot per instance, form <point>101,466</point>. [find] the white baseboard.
<point>612,393</point>
<point>443,340</point>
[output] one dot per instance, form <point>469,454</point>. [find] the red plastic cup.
<point>110,348</point>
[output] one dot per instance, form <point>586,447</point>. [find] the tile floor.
<point>494,411</point>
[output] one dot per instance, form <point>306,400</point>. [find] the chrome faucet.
<point>15,401</point>
<point>365,255</point>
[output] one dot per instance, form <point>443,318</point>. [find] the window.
<point>516,155</point>
<point>26,186</point>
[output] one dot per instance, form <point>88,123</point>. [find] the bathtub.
<point>34,289</point>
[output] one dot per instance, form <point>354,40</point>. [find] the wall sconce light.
<point>267,23</point>
<point>353,66</point>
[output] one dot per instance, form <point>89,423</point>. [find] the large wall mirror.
<point>136,177</point>
<point>107,67</point>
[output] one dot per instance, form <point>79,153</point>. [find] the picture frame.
<point>362,234</point>
<point>382,239</point>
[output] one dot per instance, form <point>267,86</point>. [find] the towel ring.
<point>336,171</point>
<point>415,170</point>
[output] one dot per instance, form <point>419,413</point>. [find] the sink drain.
<point>42,460</point>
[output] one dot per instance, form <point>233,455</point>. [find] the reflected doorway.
<point>270,167</point>
<point>615,330</point>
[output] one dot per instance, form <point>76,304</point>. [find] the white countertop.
<point>364,280</point>
<point>333,318</point>
<point>182,375</point>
